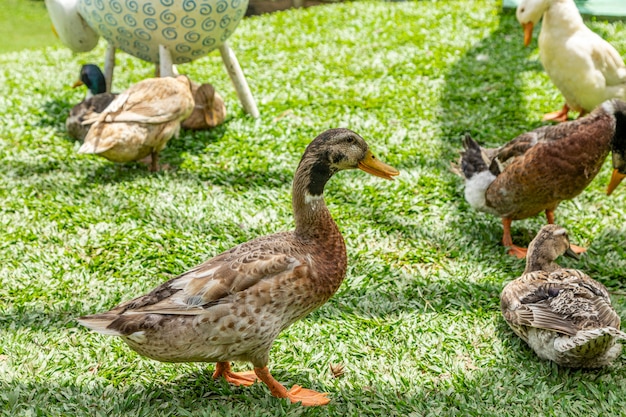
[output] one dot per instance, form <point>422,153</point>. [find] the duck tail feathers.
<point>473,159</point>
<point>584,337</point>
<point>100,323</point>
<point>474,167</point>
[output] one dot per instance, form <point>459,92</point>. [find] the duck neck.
<point>537,262</point>
<point>563,14</point>
<point>312,218</point>
<point>541,255</point>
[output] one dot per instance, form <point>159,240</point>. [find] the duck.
<point>70,27</point>
<point>563,314</point>
<point>96,101</point>
<point>140,121</point>
<point>585,68</point>
<point>537,170</point>
<point>209,109</point>
<point>233,306</point>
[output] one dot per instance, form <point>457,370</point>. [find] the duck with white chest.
<point>233,306</point>
<point>537,170</point>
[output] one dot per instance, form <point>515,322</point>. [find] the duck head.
<point>336,150</point>
<point>550,243</point>
<point>92,77</point>
<point>528,14</point>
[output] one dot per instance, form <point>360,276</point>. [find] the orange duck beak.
<point>616,178</point>
<point>528,32</point>
<point>374,166</point>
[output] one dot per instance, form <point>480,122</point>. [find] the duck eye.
<point>350,140</point>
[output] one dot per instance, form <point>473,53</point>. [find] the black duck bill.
<point>375,166</point>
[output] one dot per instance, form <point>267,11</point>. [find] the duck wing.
<point>257,266</point>
<point>608,61</point>
<point>564,301</point>
<point>151,101</point>
<point>523,144</point>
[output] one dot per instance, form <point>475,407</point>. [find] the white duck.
<point>70,26</point>
<point>583,66</point>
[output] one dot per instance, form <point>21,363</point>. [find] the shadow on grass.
<point>173,160</point>
<point>483,89</point>
<point>483,96</point>
<point>437,392</point>
<point>54,114</point>
<point>189,142</point>
<point>39,318</point>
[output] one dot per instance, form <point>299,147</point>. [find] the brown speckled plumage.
<point>563,314</point>
<point>537,170</point>
<point>234,305</point>
<point>140,121</point>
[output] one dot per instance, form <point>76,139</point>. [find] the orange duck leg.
<point>296,394</point>
<point>222,369</point>
<point>507,241</point>
<point>557,116</point>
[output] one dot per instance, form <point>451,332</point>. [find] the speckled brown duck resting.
<point>564,315</point>
<point>537,170</point>
<point>140,121</point>
<point>233,306</point>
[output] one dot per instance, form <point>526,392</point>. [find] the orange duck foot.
<point>517,251</point>
<point>307,397</point>
<point>557,116</point>
<point>296,394</point>
<point>222,369</point>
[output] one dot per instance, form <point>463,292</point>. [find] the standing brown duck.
<point>537,170</point>
<point>564,315</point>
<point>233,306</point>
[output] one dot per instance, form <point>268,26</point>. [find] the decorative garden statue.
<point>165,32</point>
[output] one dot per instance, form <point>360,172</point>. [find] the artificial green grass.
<point>416,322</point>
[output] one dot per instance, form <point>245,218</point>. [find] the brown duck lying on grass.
<point>234,305</point>
<point>564,315</point>
<point>140,121</point>
<point>209,109</point>
<point>537,170</point>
